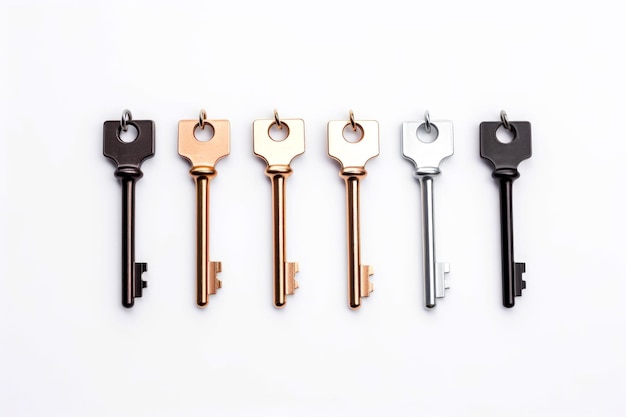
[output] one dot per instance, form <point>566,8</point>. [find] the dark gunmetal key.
<point>505,157</point>
<point>128,157</point>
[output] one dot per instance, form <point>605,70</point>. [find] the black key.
<point>128,157</point>
<point>505,157</point>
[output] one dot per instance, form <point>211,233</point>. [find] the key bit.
<point>353,156</point>
<point>128,157</point>
<point>278,155</point>
<point>442,268</point>
<point>203,157</point>
<point>426,156</point>
<point>505,158</point>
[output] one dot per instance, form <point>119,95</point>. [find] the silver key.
<point>426,144</point>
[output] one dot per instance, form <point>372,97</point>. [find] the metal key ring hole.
<point>427,135</point>
<point>353,135</point>
<point>504,135</point>
<point>204,133</point>
<point>130,134</point>
<point>278,133</point>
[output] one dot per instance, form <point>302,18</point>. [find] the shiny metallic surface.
<point>202,118</point>
<point>352,124</point>
<point>426,156</point>
<point>127,116</point>
<point>277,120</point>
<point>505,120</point>
<point>203,157</point>
<point>278,154</point>
<point>353,156</point>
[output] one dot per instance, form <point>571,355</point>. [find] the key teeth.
<point>441,283</point>
<point>291,269</point>
<point>140,284</point>
<point>367,287</point>
<point>519,283</point>
<point>215,267</point>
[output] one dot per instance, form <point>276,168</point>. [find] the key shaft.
<point>353,156</point>
<point>128,157</point>
<point>283,272</point>
<point>278,155</point>
<point>132,284</point>
<point>203,157</point>
<point>427,156</point>
<point>359,284</point>
<point>512,283</point>
<point>435,282</point>
<point>207,282</point>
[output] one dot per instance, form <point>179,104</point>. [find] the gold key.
<point>278,154</point>
<point>353,155</point>
<point>203,157</point>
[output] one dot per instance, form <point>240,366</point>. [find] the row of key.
<point>425,143</point>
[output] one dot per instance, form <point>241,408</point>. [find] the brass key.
<point>353,156</point>
<point>203,157</point>
<point>278,154</point>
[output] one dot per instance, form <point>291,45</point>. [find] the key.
<point>426,144</point>
<point>128,157</point>
<point>352,156</point>
<point>505,157</point>
<point>278,155</point>
<point>203,156</point>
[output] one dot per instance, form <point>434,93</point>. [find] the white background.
<point>67,347</point>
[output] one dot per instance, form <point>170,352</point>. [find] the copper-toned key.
<point>278,154</point>
<point>353,156</point>
<point>203,157</point>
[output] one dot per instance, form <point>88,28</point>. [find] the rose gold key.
<point>203,157</point>
<point>353,155</point>
<point>278,154</point>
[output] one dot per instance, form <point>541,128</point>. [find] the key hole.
<point>130,135</point>
<point>505,135</point>
<point>204,135</point>
<point>277,134</point>
<point>427,137</point>
<point>352,136</point>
